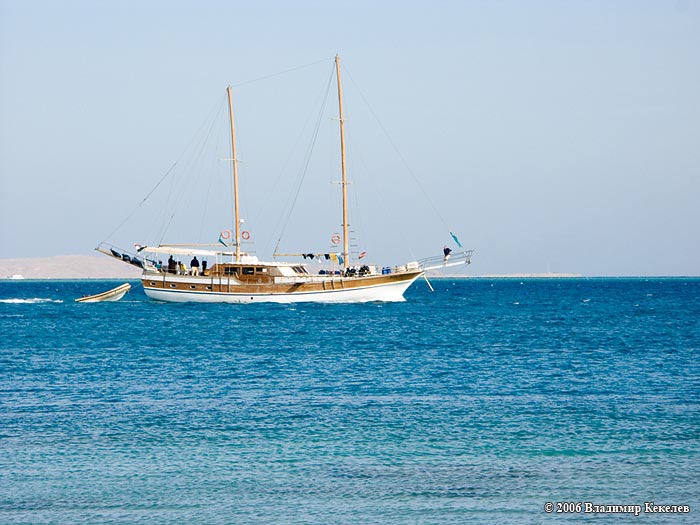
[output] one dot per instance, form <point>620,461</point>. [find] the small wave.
<point>33,300</point>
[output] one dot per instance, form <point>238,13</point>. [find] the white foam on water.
<point>33,300</point>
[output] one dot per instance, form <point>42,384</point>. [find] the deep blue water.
<point>477,403</point>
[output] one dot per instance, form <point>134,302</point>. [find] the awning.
<point>185,250</point>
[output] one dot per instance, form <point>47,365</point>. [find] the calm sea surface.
<point>477,403</point>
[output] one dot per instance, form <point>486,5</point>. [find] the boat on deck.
<point>234,276</point>
<point>115,294</point>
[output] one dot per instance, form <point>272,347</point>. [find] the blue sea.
<point>480,402</point>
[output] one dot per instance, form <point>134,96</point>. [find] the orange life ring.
<point>245,235</point>
<point>335,239</point>
<point>226,234</point>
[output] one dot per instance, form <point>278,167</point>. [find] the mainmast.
<point>344,180</point>
<point>237,226</point>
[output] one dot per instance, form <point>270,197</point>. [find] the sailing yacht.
<point>239,277</point>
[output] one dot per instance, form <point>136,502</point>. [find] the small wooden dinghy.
<point>110,295</point>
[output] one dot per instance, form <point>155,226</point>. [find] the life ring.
<point>226,234</point>
<point>335,238</point>
<point>245,235</point>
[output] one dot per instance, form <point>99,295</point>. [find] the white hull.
<point>386,292</point>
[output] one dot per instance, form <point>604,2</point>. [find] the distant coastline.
<point>100,267</point>
<point>508,276</point>
<point>67,267</point>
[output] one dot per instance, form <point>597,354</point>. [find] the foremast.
<point>234,159</point>
<point>344,180</point>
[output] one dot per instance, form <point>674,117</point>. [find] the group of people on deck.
<point>177,267</point>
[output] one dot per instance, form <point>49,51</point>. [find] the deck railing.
<point>126,256</point>
<point>446,261</point>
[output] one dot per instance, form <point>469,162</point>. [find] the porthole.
<point>193,287</point>
<point>173,285</point>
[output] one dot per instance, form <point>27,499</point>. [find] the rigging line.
<point>307,160</point>
<point>354,193</point>
<point>167,173</point>
<point>165,221</point>
<point>359,158</point>
<point>165,176</point>
<point>279,73</point>
<point>305,167</point>
<point>166,227</point>
<point>396,149</point>
<point>289,158</point>
<point>323,96</point>
<point>282,172</point>
<point>211,171</point>
<point>190,175</point>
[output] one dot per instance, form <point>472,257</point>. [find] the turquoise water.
<point>477,403</point>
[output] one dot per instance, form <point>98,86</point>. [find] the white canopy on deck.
<point>185,250</point>
<point>194,250</point>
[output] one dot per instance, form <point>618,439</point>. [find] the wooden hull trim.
<point>385,290</point>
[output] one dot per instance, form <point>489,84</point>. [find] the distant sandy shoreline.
<point>67,267</point>
<point>73,267</point>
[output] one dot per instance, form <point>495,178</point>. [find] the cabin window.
<point>173,285</point>
<point>230,270</point>
<point>193,287</point>
<point>261,270</point>
<point>152,283</point>
<point>208,287</point>
<point>247,270</point>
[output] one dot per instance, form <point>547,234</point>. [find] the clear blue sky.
<point>552,136</point>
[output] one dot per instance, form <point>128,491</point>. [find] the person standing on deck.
<point>194,265</point>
